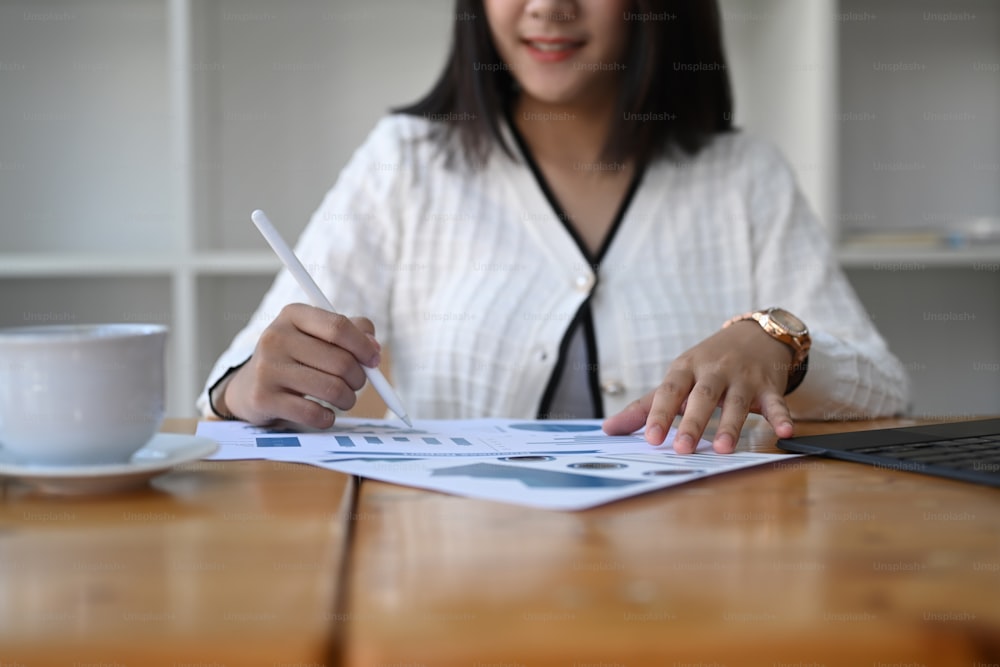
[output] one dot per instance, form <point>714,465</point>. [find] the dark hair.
<point>675,86</point>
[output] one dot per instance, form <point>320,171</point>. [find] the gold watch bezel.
<point>780,328</point>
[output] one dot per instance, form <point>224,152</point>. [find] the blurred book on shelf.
<point>961,234</point>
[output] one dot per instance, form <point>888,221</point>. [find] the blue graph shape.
<point>278,442</point>
<point>394,459</point>
<point>545,479</point>
<point>555,427</point>
<point>426,454</point>
<point>283,430</point>
<point>601,439</point>
<point>368,428</point>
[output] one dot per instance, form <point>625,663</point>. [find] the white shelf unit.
<point>919,142</point>
<point>138,134</point>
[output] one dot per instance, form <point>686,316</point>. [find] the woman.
<point>559,229</point>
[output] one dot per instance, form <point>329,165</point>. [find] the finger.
<point>328,359</point>
<point>365,324</point>
<point>735,408</point>
<point>303,380</point>
<point>667,400</point>
<point>701,403</point>
<point>368,327</point>
<point>775,411</point>
<point>630,419</point>
<point>337,330</point>
<point>300,410</point>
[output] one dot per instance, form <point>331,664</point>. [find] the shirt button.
<point>542,355</point>
<point>584,283</point>
<point>613,388</point>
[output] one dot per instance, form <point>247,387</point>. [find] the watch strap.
<point>799,345</point>
<point>797,375</point>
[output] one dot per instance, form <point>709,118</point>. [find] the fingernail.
<point>374,361</point>
<point>723,442</point>
<point>685,442</point>
<point>655,434</point>
<point>378,345</point>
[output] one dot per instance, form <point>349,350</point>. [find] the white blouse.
<point>472,279</point>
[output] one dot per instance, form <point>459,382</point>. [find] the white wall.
<point>920,96</point>
<point>783,61</point>
<point>291,89</point>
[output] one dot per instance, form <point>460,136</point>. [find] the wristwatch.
<point>790,330</point>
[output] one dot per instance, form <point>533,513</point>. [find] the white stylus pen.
<point>319,300</point>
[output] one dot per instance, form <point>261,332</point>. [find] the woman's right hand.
<point>304,351</point>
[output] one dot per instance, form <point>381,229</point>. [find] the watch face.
<point>787,321</point>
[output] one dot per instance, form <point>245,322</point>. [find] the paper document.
<point>567,465</point>
<point>352,438</point>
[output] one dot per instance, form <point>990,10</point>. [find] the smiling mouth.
<point>553,46</point>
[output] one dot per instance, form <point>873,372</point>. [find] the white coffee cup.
<point>80,394</point>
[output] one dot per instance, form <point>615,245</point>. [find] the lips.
<point>552,49</point>
<point>553,44</point>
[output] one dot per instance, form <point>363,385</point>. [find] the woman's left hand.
<point>740,368</point>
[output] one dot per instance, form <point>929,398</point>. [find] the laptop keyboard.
<point>981,454</point>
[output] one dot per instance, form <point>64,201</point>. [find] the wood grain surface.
<point>215,563</point>
<point>803,562</point>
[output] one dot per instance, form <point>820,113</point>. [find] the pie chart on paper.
<point>555,427</point>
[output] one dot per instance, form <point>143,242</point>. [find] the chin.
<point>553,95</point>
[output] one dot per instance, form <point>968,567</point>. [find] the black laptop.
<point>968,451</point>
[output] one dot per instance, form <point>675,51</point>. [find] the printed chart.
<point>429,438</point>
<point>567,465</point>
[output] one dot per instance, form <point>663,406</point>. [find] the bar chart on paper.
<point>353,441</point>
<point>355,438</point>
<point>427,440</point>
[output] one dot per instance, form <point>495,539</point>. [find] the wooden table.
<point>234,563</point>
<point>805,562</point>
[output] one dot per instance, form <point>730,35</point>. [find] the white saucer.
<point>160,454</point>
